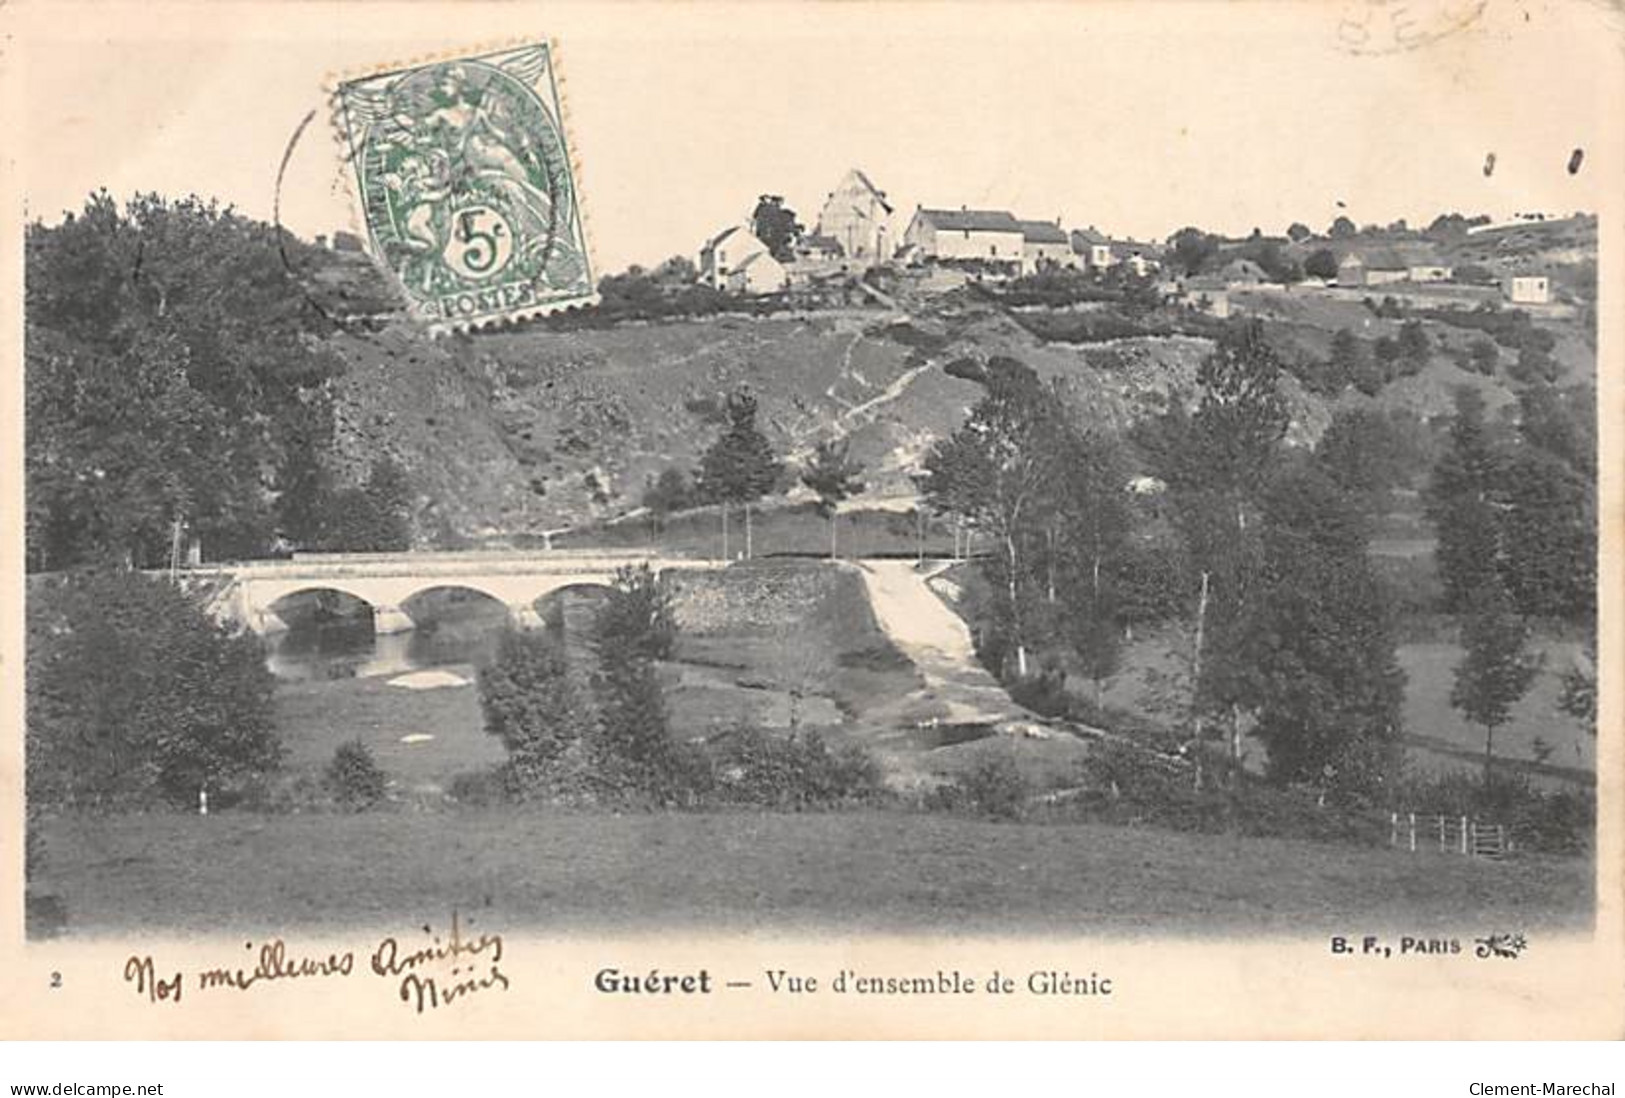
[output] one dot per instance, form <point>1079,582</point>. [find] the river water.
<point>349,649</point>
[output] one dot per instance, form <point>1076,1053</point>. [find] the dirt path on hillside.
<point>958,689</point>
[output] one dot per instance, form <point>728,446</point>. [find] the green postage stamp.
<point>464,176</point>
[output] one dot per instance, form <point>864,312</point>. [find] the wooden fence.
<point>1448,835</point>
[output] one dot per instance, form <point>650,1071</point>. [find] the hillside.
<point>541,428</point>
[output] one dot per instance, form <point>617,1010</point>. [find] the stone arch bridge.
<point>247,593</point>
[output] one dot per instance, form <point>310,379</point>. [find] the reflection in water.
<point>346,648</point>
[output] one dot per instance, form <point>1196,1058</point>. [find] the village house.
<point>1099,252</point>
<point>1093,247</point>
<point>992,238</point>
<point>858,218</point>
<point>1381,265</point>
<point>1528,289</point>
<point>736,261</point>
<point>1045,244</point>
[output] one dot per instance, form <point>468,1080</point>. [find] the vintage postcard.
<point>812,520</point>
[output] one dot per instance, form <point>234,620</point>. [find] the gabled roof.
<point>1083,238</point>
<point>879,194</point>
<point>710,245</point>
<point>989,221</point>
<point>1042,232</point>
<point>1393,257</point>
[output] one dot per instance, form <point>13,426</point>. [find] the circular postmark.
<point>1394,26</point>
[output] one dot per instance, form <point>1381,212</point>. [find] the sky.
<point>1136,119</point>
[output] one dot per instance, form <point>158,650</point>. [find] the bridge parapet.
<point>386,582</point>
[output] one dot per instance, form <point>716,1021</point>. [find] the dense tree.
<point>1194,250</point>
<point>634,752</point>
<point>1484,356</point>
<point>834,476</point>
<point>1548,523</point>
<point>134,695</point>
<point>1342,228</point>
<point>668,492</point>
<point>776,226</point>
<point>739,467</point>
<point>1323,674</point>
<point>374,517</point>
<point>1298,232</point>
<point>1362,452</point>
<point>1579,696</point>
<point>1497,669</point>
<point>638,621</point>
<point>1216,463</point>
<point>174,374</point>
<point>1322,263</point>
<point>1460,500</point>
<point>531,704</point>
<point>1348,360</point>
<point>1415,349</point>
<point>1093,519</point>
<point>993,472</point>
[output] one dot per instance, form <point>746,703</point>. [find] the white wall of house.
<point>1035,255</point>
<point>1528,289</point>
<point>1431,274</point>
<point>997,246</point>
<point>759,274</point>
<point>737,261</point>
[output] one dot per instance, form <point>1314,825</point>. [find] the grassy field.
<point>313,718</point>
<point>840,872</point>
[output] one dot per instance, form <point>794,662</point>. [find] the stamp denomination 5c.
<point>467,188</point>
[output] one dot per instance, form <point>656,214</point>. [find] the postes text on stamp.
<point>466,185</point>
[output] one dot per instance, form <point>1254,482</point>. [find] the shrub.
<point>795,771</point>
<point>1123,784</point>
<point>354,776</point>
<point>135,695</point>
<point>481,788</point>
<point>993,787</point>
<point>1553,822</point>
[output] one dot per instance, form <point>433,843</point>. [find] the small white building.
<point>1045,244</point>
<point>991,237</point>
<point>1528,289</point>
<point>736,261</point>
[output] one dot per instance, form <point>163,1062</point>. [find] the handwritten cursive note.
<point>429,975</point>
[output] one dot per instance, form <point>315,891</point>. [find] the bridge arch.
<point>277,609</point>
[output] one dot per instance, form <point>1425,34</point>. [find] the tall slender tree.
<point>834,476</point>
<point>740,466</point>
<point>993,472</point>
<point>1460,502</point>
<point>1497,670</point>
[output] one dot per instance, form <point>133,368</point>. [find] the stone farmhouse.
<point>1381,265</point>
<point>736,261</point>
<point>1045,244</point>
<point>992,238</point>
